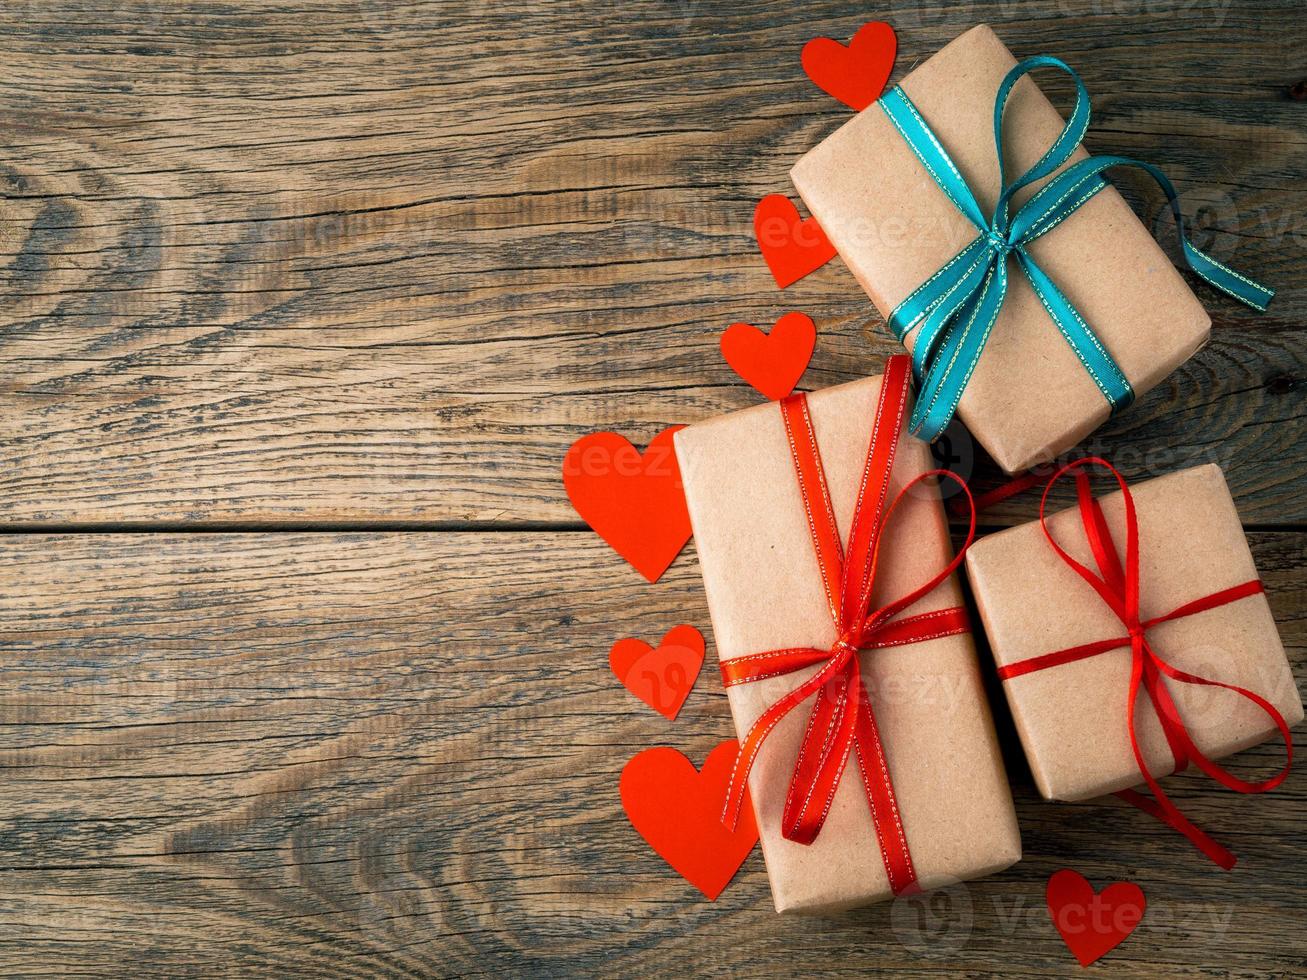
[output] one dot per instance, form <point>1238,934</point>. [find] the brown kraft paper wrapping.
<point>764,592</point>
<point>1072,717</point>
<point>1030,398</point>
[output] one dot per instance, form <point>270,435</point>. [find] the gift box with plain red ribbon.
<point>1133,638</point>
<point>866,740</point>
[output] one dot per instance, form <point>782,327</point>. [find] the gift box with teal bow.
<point>1034,301</point>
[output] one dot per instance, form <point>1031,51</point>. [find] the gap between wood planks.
<point>397,527</point>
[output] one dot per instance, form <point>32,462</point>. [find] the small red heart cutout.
<point>856,75</point>
<point>679,812</point>
<point>791,246</point>
<point>662,677</point>
<point>1093,923</point>
<point>772,362</point>
<point>633,501</point>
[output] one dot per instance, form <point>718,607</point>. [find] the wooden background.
<point>303,651</point>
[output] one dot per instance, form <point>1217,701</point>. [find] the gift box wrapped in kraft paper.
<point>1032,318</point>
<point>866,739</point>
<point>1145,645</point>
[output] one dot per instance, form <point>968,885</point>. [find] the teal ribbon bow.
<point>955,309</point>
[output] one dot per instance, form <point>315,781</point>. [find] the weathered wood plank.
<point>362,261</point>
<point>397,754</point>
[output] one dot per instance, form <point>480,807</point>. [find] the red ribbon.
<point>1119,589</point>
<point>842,721</point>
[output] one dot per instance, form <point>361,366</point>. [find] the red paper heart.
<point>635,502</point>
<point>661,677</point>
<point>679,812</point>
<point>772,362</point>
<point>1093,923</point>
<point>855,75</point>
<point>792,246</point>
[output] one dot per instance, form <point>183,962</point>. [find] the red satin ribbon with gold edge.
<point>842,721</point>
<point>1119,589</point>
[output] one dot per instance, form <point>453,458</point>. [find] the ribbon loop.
<point>955,309</point>
<point>1073,132</point>
<point>841,723</point>
<point>1117,584</point>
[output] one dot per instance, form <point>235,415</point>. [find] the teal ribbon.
<point>955,309</point>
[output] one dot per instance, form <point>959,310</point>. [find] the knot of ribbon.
<point>999,244</point>
<point>1118,586</point>
<point>955,309</point>
<point>842,722</point>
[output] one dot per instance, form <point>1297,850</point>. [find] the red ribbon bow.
<point>842,720</point>
<point>1119,589</point>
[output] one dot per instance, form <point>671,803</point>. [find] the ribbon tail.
<point>1237,286</point>
<point>905,317</point>
<point>1161,806</point>
<point>952,307</point>
<point>884,806</point>
<point>1177,737</point>
<point>1173,818</point>
<point>822,757</point>
<point>1216,771</point>
<point>752,743</point>
<point>1079,179</point>
<point>942,388</point>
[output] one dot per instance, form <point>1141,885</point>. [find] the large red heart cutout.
<point>791,246</point>
<point>661,677</point>
<point>855,75</point>
<point>634,501</point>
<point>679,812</point>
<point>772,362</point>
<point>1093,923</point>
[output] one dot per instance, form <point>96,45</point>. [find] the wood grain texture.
<point>397,755</point>
<point>361,261</point>
<point>372,263</point>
